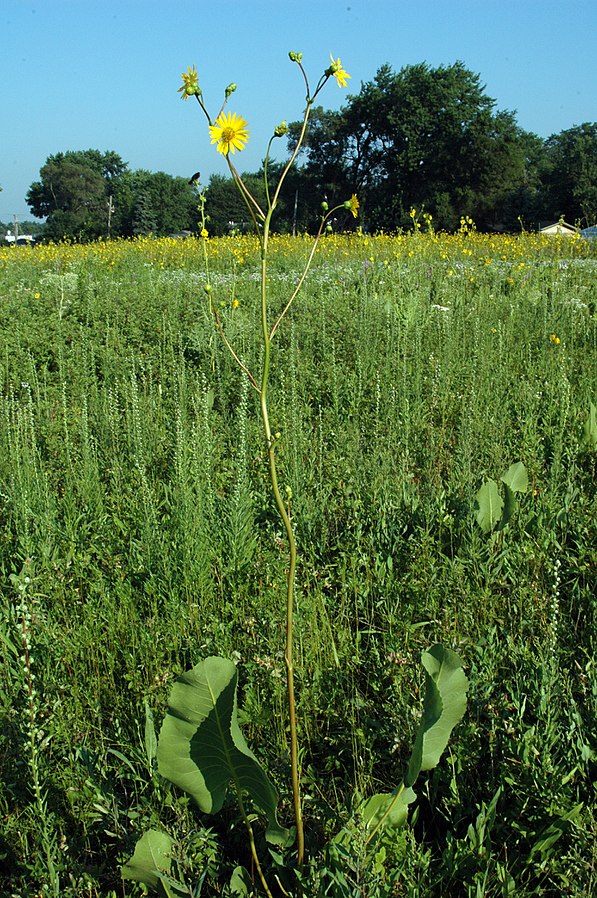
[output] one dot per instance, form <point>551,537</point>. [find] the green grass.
<point>133,494</point>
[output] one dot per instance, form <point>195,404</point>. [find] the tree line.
<point>428,138</point>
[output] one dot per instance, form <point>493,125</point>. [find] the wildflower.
<point>229,132</point>
<point>555,339</point>
<point>338,72</point>
<point>353,205</point>
<point>190,84</point>
<point>281,129</point>
<point>235,304</point>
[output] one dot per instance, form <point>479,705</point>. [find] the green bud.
<point>281,129</point>
<point>328,229</point>
<point>207,288</point>
<point>230,89</point>
<point>324,206</point>
<point>295,57</point>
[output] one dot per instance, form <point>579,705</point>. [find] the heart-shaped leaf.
<point>202,750</point>
<point>490,506</point>
<point>150,859</point>
<point>516,478</point>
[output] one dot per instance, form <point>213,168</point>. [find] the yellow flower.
<point>204,233</point>
<point>190,84</point>
<point>338,72</point>
<point>353,205</point>
<point>555,339</point>
<point>229,132</point>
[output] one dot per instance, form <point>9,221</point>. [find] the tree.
<point>227,211</point>
<point>73,193</point>
<point>77,189</point>
<point>570,174</point>
<point>422,137</point>
<point>153,203</point>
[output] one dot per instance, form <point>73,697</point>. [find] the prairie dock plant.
<point>201,748</point>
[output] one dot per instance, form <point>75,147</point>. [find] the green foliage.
<point>589,431</point>
<point>570,174</point>
<point>73,192</point>
<point>151,860</point>
<point>202,750</point>
<point>444,706</point>
<point>395,142</point>
<point>494,512</point>
<point>88,194</point>
<point>120,425</point>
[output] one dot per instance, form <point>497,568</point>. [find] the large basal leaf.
<point>387,808</point>
<point>202,750</point>
<point>151,858</point>
<point>443,708</point>
<point>589,431</point>
<point>516,478</point>
<point>490,506</point>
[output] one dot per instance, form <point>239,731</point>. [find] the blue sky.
<point>103,74</point>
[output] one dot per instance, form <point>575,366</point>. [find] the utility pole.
<point>294,214</point>
<point>15,220</point>
<point>110,211</point>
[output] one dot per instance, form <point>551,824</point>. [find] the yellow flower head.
<point>190,84</point>
<point>353,205</point>
<point>338,72</point>
<point>229,132</point>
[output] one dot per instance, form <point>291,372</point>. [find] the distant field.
<point>411,370</point>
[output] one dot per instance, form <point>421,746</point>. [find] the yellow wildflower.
<point>190,84</point>
<point>338,72</point>
<point>353,205</point>
<point>229,132</point>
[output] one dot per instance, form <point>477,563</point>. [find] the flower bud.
<point>281,129</point>
<point>230,89</point>
<point>207,288</point>
<point>295,57</point>
<point>324,206</point>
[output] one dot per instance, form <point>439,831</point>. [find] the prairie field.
<point>138,536</point>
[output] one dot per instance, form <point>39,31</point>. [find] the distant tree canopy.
<point>88,194</point>
<point>423,137</point>
<point>431,137</point>
<point>569,175</point>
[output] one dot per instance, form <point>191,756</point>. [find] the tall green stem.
<point>285,516</point>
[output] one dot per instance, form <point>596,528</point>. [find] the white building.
<point>19,239</point>
<point>559,229</point>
